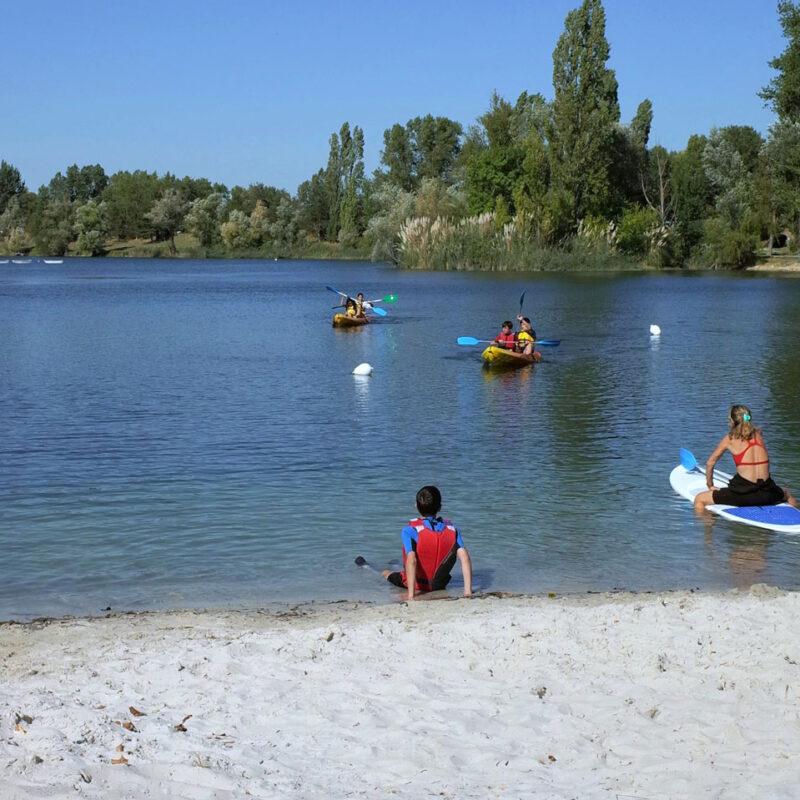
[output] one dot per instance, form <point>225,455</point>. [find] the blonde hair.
<point>742,428</point>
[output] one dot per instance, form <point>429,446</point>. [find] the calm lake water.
<point>189,433</point>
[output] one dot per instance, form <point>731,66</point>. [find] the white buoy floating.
<point>655,330</point>
<point>363,369</point>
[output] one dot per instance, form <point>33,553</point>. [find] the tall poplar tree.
<point>344,181</point>
<point>783,92</point>
<point>585,111</point>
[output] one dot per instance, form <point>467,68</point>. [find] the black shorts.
<point>741,492</point>
<point>399,579</point>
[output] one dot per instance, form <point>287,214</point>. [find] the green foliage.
<point>247,199</point>
<point>312,198</point>
<point>693,195</point>
<point>204,217</point>
<point>394,206</point>
<point>783,91</point>
<point>427,147</point>
<point>53,226</point>
<point>91,225</point>
<point>166,216</point>
<point>344,179</point>
<point>128,197</point>
<point>79,184</point>
<point>11,184</point>
<point>634,230</point>
<point>725,246</point>
<point>493,173</point>
<point>782,153</point>
<point>585,111</point>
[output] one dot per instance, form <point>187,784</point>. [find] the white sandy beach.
<point>676,695</point>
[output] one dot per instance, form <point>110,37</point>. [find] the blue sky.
<point>245,92</point>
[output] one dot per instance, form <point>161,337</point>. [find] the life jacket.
<point>507,340</point>
<point>436,555</point>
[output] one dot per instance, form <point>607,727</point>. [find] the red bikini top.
<point>737,459</point>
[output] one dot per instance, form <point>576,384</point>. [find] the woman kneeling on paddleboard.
<point>751,485</point>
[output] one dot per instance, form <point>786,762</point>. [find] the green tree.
<point>585,111</point>
<point>495,159</point>
<point>344,179</point>
<point>204,218</point>
<point>11,184</point>
<point>398,157</point>
<point>128,197</point>
<point>91,224</point>
<point>312,197</point>
<point>427,147</point>
<point>286,226</point>
<point>166,216</point>
<point>53,225</point>
<point>246,199</point>
<point>693,195</point>
<point>782,93</point>
<point>782,152</point>
<point>727,172</point>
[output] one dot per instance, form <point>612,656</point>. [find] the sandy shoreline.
<point>611,695</point>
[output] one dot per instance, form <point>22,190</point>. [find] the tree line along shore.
<point>559,184</point>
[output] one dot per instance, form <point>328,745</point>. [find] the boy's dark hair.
<point>526,319</point>
<point>429,501</point>
<point>507,324</point>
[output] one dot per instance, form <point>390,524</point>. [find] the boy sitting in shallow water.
<point>431,546</point>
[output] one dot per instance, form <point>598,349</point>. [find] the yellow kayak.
<point>501,357</point>
<point>345,321</point>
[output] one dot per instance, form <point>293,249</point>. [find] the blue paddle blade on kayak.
<point>469,340</point>
<point>379,311</point>
<point>336,291</point>
<point>688,461</point>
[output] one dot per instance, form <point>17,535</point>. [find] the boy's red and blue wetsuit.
<point>436,542</point>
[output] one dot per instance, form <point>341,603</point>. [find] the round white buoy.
<point>363,369</point>
<point>655,330</point>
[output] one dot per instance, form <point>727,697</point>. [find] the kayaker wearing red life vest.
<point>506,337</point>
<point>431,546</point>
<point>752,484</point>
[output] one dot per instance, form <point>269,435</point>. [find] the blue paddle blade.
<point>688,461</point>
<point>379,311</point>
<point>521,298</point>
<point>335,291</point>
<point>468,340</point>
<point>548,342</point>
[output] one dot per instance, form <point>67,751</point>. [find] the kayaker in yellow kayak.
<point>506,337</point>
<point>355,308</point>
<point>526,338</point>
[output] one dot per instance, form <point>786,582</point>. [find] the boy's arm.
<point>411,573</point>
<point>466,570</point>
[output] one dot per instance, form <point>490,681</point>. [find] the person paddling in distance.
<point>752,484</point>
<point>355,308</point>
<point>506,338</point>
<point>431,546</point>
<point>526,339</point>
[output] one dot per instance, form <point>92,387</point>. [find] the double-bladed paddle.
<point>379,311</point>
<point>471,340</point>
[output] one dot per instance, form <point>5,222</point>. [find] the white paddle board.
<point>781,517</point>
